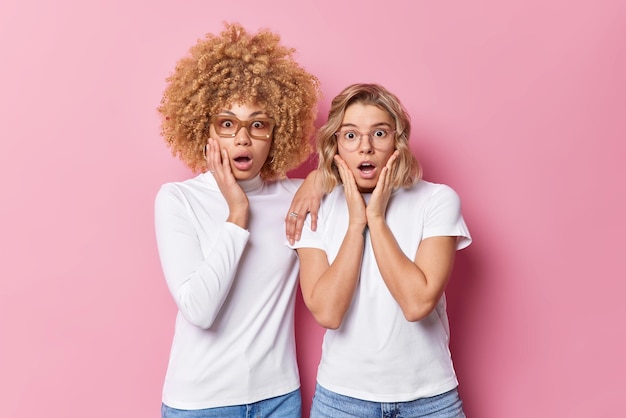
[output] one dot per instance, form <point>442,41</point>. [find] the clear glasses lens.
<point>228,126</point>
<point>351,139</point>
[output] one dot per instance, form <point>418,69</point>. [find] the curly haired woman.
<point>239,110</point>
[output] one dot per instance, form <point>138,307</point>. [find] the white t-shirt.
<point>235,291</point>
<point>376,354</point>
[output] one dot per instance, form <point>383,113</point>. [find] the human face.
<point>366,160</point>
<point>246,154</point>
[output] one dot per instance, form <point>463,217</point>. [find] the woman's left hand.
<point>382,192</point>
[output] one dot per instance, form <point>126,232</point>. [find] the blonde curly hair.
<point>236,67</point>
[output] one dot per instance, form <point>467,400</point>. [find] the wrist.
<point>239,217</point>
<point>357,229</point>
<point>376,222</point>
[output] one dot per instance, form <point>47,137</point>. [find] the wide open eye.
<point>380,133</point>
<point>349,135</point>
<point>258,124</point>
<point>261,128</point>
<point>226,125</point>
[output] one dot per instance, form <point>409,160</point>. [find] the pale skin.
<point>306,201</point>
<point>416,284</point>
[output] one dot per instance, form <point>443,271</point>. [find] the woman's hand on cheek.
<point>380,197</point>
<point>218,164</point>
<point>356,204</point>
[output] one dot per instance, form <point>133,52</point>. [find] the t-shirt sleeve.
<point>309,238</point>
<point>443,217</point>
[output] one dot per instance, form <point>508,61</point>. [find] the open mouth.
<point>366,167</point>
<point>242,162</point>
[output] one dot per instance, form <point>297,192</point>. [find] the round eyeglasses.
<point>228,126</point>
<point>350,139</point>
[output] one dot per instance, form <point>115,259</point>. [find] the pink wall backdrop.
<point>519,105</point>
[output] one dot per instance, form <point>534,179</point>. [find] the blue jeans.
<point>285,406</point>
<point>327,404</point>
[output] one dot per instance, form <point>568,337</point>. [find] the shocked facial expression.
<point>365,141</point>
<point>246,133</point>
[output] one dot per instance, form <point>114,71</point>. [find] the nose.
<point>242,137</point>
<point>365,145</point>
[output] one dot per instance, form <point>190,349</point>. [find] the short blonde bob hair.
<point>407,171</point>
<point>236,67</point>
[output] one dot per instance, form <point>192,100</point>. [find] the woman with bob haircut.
<point>375,270</point>
<point>239,110</point>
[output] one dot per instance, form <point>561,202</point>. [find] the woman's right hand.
<point>305,202</point>
<point>218,164</point>
<point>356,204</point>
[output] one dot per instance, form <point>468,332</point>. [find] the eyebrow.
<point>252,115</point>
<point>374,126</point>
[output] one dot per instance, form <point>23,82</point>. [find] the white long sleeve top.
<point>235,291</point>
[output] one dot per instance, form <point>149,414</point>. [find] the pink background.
<point>519,105</point>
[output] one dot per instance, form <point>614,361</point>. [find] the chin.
<point>366,188</point>
<point>243,176</point>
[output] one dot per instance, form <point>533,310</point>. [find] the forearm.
<point>330,296</point>
<point>406,282</point>
<point>200,281</point>
<point>238,215</point>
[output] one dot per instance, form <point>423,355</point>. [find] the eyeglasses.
<point>350,139</point>
<point>228,126</point>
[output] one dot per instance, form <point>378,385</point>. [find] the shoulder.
<point>437,200</point>
<point>429,196</point>
<point>430,187</point>
<point>288,184</point>
<point>435,190</point>
<point>176,190</point>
